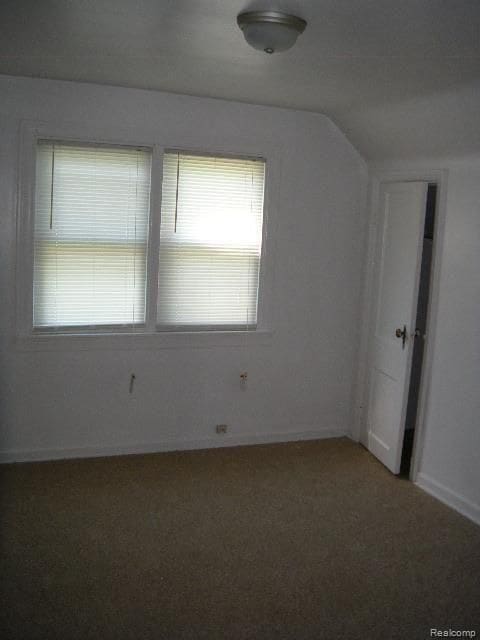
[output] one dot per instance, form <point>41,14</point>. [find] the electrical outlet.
<point>221,428</point>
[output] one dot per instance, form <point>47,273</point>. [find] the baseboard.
<point>450,498</point>
<point>209,442</point>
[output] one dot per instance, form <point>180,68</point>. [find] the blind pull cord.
<point>135,253</point>
<point>176,193</point>
<point>52,182</point>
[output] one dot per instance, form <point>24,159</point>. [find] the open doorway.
<point>407,213</point>
<point>420,331</point>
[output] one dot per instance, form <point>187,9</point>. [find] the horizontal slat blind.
<point>91,229</point>
<point>210,241</point>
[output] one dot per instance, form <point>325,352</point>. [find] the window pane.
<point>91,230</point>
<point>210,240</point>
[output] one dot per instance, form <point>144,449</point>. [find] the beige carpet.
<point>301,541</point>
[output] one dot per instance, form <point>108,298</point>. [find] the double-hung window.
<point>210,241</point>
<point>93,265</point>
<point>90,239</point>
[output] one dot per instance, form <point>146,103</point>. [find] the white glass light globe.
<point>270,37</point>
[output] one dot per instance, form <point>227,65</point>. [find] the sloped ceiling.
<point>400,78</point>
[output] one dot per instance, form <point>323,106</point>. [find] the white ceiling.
<point>373,66</point>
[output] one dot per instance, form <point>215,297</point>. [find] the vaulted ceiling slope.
<point>399,77</point>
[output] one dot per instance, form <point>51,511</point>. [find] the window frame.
<point>238,327</point>
<point>147,335</point>
<point>90,328</point>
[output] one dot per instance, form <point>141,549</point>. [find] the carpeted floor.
<point>294,541</point>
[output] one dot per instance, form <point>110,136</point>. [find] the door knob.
<point>402,333</point>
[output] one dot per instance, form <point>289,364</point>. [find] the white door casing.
<point>397,268</point>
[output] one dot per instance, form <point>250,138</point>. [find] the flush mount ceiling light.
<point>270,31</point>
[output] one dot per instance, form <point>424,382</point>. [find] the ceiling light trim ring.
<point>271,17</point>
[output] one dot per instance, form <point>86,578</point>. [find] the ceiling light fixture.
<point>270,31</point>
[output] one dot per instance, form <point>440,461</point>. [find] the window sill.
<point>142,341</point>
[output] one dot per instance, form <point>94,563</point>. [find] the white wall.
<point>76,402</point>
<point>449,465</point>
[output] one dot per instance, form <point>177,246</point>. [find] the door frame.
<point>439,177</point>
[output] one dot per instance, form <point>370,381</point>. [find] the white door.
<point>397,269</point>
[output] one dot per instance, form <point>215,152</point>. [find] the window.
<point>210,241</point>
<point>90,239</point>
<point>95,264</point>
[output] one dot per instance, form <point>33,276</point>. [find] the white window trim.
<point>147,336</point>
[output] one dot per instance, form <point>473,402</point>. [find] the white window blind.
<point>91,230</point>
<point>210,241</point>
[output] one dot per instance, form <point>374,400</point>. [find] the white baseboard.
<point>208,442</point>
<point>449,497</point>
